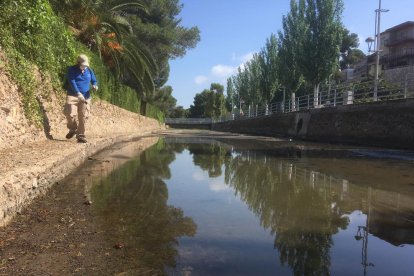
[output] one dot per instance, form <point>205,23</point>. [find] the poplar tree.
<point>231,98</point>
<point>289,47</point>
<point>268,59</point>
<point>320,42</point>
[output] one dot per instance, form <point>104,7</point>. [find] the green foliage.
<point>289,47</point>
<point>350,54</point>
<point>321,41</point>
<point>21,70</point>
<point>179,112</point>
<point>164,100</point>
<point>105,29</point>
<point>32,35</point>
<point>209,104</point>
<point>199,104</point>
<point>258,81</point>
<point>154,112</point>
<point>161,31</point>
<point>149,33</point>
<point>269,71</point>
<point>40,36</point>
<point>140,197</point>
<point>304,55</point>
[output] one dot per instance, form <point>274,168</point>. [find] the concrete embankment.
<point>384,124</point>
<point>58,234</point>
<point>30,170</point>
<point>33,158</point>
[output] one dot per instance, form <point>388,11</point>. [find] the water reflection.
<point>302,218</point>
<point>132,205</point>
<point>304,208</point>
<point>317,223</point>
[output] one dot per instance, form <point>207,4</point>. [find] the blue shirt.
<point>80,82</point>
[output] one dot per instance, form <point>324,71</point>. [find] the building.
<point>396,57</point>
<point>398,46</point>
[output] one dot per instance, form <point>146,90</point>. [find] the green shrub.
<point>156,113</point>
<point>31,34</point>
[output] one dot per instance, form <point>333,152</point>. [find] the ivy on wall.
<point>31,36</point>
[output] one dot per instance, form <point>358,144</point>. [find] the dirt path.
<point>58,234</point>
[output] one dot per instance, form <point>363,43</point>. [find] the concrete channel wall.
<point>385,124</point>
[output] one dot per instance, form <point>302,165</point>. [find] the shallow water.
<point>209,207</point>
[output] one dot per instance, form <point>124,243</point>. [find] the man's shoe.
<point>82,139</point>
<point>70,135</point>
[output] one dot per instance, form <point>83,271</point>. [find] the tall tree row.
<point>257,81</point>
<point>306,52</point>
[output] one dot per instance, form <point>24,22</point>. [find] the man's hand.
<point>81,98</point>
<point>95,87</point>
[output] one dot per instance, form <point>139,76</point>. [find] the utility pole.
<point>378,47</point>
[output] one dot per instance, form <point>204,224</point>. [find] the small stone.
<point>5,109</point>
<point>88,202</point>
<point>34,183</point>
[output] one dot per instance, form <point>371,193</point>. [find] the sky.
<point>232,30</point>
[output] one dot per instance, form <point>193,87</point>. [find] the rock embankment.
<point>32,158</point>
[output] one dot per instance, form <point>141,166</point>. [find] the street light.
<point>370,41</point>
<point>241,101</point>
<point>377,46</point>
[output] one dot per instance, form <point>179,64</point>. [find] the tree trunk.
<point>143,109</point>
<point>316,95</point>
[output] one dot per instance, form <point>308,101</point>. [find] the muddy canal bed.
<point>214,204</point>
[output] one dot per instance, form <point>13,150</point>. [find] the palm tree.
<point>103,26</point>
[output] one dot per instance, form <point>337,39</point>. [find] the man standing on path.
<point>78,101</point>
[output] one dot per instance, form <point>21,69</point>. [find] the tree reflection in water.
<point>132,205</point>
<point>301,217</point>
<point>209,157</point>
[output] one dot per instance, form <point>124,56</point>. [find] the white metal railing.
<point>347,94</point>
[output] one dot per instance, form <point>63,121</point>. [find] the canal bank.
<point>33,156</point>
<point>384,124</point>
<point>57,233</point>
<point>210,203</point>
<point>30,170</point>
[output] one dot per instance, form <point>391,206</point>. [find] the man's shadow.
<point>45,119</point>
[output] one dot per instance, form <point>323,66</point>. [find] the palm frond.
<point>136,5</point>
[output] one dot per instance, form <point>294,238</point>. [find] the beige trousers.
<point>77,114</point>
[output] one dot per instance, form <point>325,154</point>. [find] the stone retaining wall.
<point>33,158</point>
<point>384,124</point>
<point>16,130</point>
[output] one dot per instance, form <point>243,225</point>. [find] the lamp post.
<point>363,234</point>
<point>377,46</point>
<point>370,41</point>
<point>241,101</point>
